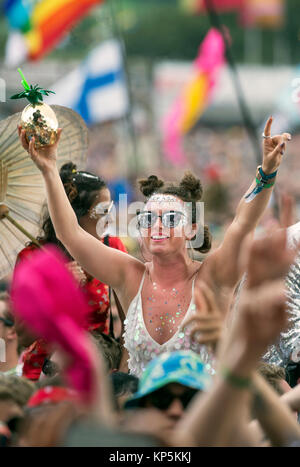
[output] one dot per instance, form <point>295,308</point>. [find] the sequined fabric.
<point>289,343</point>
<point>142,348</point>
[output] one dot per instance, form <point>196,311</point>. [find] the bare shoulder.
<point>130,286</point>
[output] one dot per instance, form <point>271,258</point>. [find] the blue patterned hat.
<point>184,367</point>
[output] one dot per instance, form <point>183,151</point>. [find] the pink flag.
<point>195,96</point>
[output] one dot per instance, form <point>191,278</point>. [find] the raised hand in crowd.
<point>206,322</point>
<point>273,148</point>
<point>274,414</point>
<point>261,317</point>
<point>268,258</point>
<point>247,339</point>
<point>292,398</point>
<point>287,210</point>
<point>227,268</point>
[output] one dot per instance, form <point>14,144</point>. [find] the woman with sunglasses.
<point>158,295</point>
<point>91,202</point>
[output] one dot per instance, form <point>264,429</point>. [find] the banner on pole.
<point>195,97</point>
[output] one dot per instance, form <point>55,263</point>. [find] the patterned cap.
<point>184,367</point>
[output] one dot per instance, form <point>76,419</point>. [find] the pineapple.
<point>37,119</point>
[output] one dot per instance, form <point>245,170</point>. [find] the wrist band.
<point>266,176</point>
<point>262,181</point>
<point>236,381</point>
<point>266,185</point>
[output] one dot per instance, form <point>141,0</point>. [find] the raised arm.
<point>275,417</point>
<point>260,319</point>
<point>220,416</point>
<point>106,264</point>
<point>292,398</point>
<point>249,210</point>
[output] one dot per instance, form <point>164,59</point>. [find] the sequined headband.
<point>161,197</point>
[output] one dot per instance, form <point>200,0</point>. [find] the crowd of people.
<point>206,353</point>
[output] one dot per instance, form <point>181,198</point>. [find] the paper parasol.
<point>22,191</point>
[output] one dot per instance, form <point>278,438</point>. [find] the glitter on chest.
<point>165,322</point>
<point>142,348</point>
<point>144,329</point>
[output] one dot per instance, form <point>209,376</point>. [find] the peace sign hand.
<point>273,148</point>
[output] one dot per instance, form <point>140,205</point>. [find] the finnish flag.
<point>97,88</point>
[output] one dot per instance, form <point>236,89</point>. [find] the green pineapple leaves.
<point>34,94</point>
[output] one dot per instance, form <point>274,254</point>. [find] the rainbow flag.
<point>43,23</point>
<point>195,96</point>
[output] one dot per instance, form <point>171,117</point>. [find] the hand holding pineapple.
<point>44,157</point>
<point>38,129</point>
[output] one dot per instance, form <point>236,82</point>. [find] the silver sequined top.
<point>289,343</point>
<point>142,348</point>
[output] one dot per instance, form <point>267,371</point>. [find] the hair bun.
<point>192,185</point>
<point>67,172</point>
<point>150,185</point>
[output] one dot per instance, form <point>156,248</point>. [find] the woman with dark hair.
<point>159,295</point>
<point>90,199</point>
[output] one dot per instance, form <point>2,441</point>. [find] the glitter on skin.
<point>163,198</point>
<point>169,322</point>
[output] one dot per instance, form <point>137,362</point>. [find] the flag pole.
<point>129,117</point>
<point>245,111</point>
